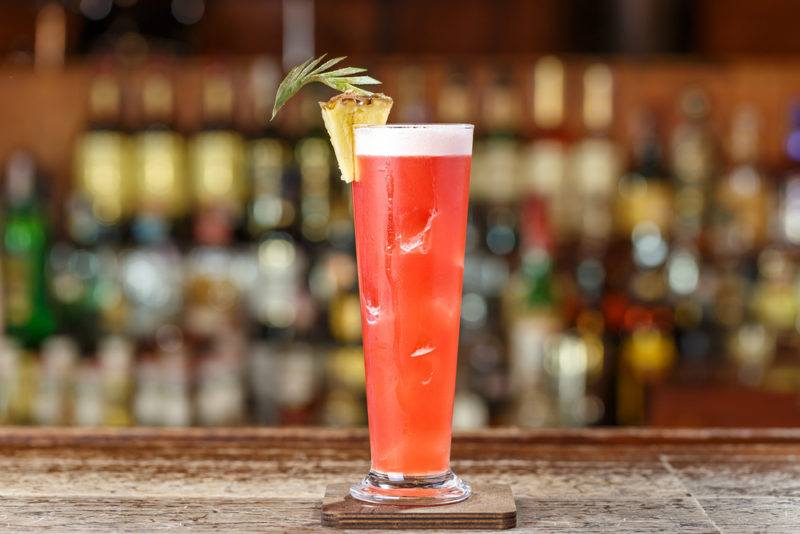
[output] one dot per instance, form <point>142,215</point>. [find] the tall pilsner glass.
<point>410,208</point>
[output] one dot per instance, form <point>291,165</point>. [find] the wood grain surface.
<point>273,480</point>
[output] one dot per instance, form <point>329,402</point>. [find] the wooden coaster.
<point>490,507</point>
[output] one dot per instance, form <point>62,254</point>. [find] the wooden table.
<point>273,480</point>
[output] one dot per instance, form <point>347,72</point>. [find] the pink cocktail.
<point>410,207</point>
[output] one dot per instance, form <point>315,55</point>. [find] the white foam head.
<point>414,140</point>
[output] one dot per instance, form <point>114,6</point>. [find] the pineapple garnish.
<point>354,106</point>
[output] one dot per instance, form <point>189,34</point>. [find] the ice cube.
<point>421,241</point>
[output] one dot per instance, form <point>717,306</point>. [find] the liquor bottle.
<point>412,105</point>
<point>648,354</point>
<point>455,98</point>
<point>595,167</point>
<point>314,160</point>
<point>269,158</point>
<point>693,165</point>
<point>148,403</point>
<point>545,169</point>
<point>498,151</point>
<point>262,383</point>
<point>637,280</point>
<point>52,405</point>
<point>175,385</point>
<point>115,381</point>
<point>742,198</point>
<point>789,209</point>
<point>277,300</point>
<point>645,193</point>
<point>219,396</point>
<point>103,195</point>
<point>595,160</point>
<point>159,177</point>
<point>774,302</point>
<point>345,393</point>
<point>298,383</point>
<point>217,153</point>
<point>88,396</point>
<point>344,403</point>
<point>27,308</point>
<point>534,320</point>
<point>213,304</point>
<point>9,380</point>
<point>152,278</point>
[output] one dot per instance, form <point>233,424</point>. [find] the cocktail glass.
<point>410,209</point>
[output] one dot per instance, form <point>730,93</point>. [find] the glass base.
<point>380,488</point>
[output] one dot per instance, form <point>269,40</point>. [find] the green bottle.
<point>27,312</point>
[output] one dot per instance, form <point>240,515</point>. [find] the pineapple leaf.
<point>342,79</point>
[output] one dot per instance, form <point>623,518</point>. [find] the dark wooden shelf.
<point>653,480</point>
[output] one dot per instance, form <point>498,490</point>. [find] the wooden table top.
<point>639,480</point>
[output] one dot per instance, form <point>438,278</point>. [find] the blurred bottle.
<point>298,383</point>
<point>161,189</point>
<point>774,300</point>
<point>545,167</point>
<point>314,159</point>
<point>645,194</point>
<point>455,101</point>
<point>103,194</point>
<point>262,382</point>
<point>27,308</point>
<point>693,165</point>
<point>533,321</point>
<point>743,199</point>
<point>88,398</point>
<point>269,158</point>
<point>492,236</point>
<point>344,403</point>
<point>595,160</point>
<point>175,387</point>
<point>10,381</point>
<point>147,400</point>
<point>789,209</point>
<point>595,167</point>
<point>412,104</point>
<point>752,349</point>
<point>469,410</point>
<point>278,301</point>
<point>116,381</point>
<point>217,152</point>
<point>84,265</point>
<point>163,381</point>
<point>496,158</point>
<point>220,395</point>
<point>152,278</point>
<point>213,304</point>
<point>636,303</point>
<point>54,395</point>
<point>648,354</point>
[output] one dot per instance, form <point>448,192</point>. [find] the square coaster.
<point>490,507</point>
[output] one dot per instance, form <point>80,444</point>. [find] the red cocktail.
<point>410,207</point>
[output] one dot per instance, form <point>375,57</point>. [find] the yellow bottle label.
<point>102,164</point>
<point>217,162</point>
<point>18,304</point>
<point>159,173</point>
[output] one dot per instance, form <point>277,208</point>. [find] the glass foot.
<point>382,488</point>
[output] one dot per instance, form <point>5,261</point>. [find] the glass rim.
<point>421,126</point>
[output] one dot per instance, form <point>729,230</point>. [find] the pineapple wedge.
<point>345,111</point>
